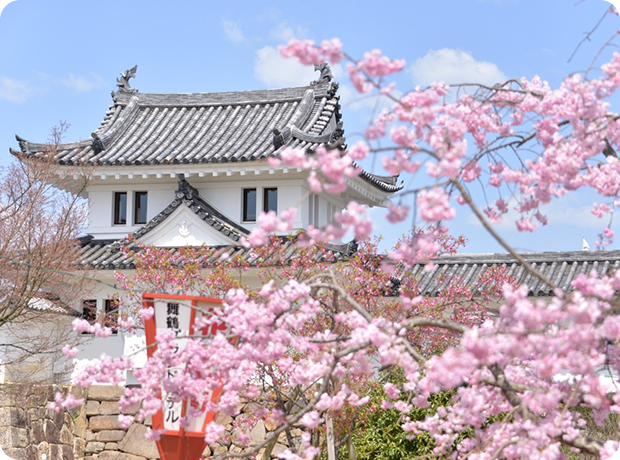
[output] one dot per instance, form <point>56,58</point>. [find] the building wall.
<point>227,197</point>
<point>34,351</point>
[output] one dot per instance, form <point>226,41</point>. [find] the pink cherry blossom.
<point>434,205</point>
<point>69,351</point>
<point>358,151</point>
<point>375,64</point>
<point>397,213</point>
<point>81,325</point>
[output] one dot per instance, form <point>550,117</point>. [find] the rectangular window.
<point>249,205</point>
<point>89,311</point>
<point>270,200</point>
<point>313,210</point>
<point>120,208</point>
<point>111,314</point>
<point>140,200</point>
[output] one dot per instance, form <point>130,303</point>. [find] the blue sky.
<point>59,60</point>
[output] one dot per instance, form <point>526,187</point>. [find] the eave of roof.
<point>108,255</point>
<point>388,184</point>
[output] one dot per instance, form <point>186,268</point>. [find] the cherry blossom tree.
<point>41,217</point>
<point>309,331</point>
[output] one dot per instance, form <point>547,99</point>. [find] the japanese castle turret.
<point>177,169</point>
<point>172,170</point>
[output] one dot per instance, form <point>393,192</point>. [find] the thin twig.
<point>485,223</point>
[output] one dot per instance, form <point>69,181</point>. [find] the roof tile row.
<point>560,268</point>
<point>156,129</point>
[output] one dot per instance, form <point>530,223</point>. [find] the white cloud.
<point>15,91</point>
<point>454,66</point>
<point>82,84</point>
<point>233,31</point>
<point>19,91</point>
<point>283,31</point>
<point>276,71</point>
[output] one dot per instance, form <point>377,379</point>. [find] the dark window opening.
<point>120,208</point>
<point>140,206</point>
<point>111,315</point>
<point>249,205</point>
<point>89,311</point>
<point>270,200</point>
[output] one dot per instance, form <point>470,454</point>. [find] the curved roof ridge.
<point>258,96</point>
<point>105,136</point>
<point>27,146</point>
<point>384,183</point>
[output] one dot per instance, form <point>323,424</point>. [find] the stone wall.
<point>29,429</point>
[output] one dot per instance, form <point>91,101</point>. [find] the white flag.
<point>584,244</point>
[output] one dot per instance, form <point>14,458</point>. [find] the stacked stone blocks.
<point>29,429</point>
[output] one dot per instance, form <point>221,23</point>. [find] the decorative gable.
<point>190,220</point>
<point>184,227</point>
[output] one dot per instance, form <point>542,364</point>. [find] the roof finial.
<point>185,190</point>
<point>123,81</point>
<point>326,73</point>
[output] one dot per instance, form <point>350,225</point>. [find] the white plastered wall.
<point>226,197</point>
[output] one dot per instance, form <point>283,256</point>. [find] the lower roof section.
<point>560,268</point>
<point>121,255</point>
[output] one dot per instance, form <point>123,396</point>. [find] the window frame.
<point>244,210</point>
<point>136,207</point>
<point>117,208</point>
<point>111,320</point>
<point>89,311</point>
<point>313,209</point>
<point>266,191</point>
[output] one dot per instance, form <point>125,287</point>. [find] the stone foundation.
<point>29,429</point>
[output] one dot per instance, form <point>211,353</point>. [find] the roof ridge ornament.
<point>185,190</point>
<point>123,81</point>
<point>326,74</point>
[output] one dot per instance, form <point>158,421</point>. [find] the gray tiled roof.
<point>160,129</point>
<point>107,254</point>
<point>153,129</point>
<point>559,267</point>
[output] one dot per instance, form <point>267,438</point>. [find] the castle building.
<point>192,169</point>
